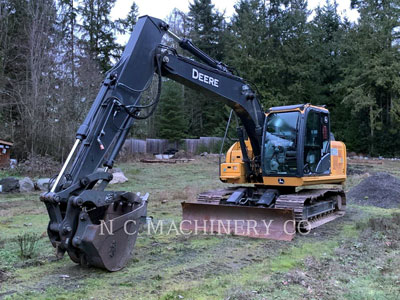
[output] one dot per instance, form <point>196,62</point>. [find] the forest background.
<point>54,56</point>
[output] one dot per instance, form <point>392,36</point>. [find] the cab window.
<point>280,142</point>
<point>317,144</point>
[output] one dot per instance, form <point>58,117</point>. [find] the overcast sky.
<point>162,8</point>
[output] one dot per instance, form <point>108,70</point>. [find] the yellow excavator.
<point>297,187</point>
<point>286,167</point>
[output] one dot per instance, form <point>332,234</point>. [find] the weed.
<point>175,295</point>
<point>27,242</point>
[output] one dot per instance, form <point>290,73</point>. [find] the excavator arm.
<point>99,227</point>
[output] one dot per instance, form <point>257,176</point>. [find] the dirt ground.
<point>354,257</point>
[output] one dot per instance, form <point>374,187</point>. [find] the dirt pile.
<point>379,189</point>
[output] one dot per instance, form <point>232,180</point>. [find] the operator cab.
<point>296,141</point>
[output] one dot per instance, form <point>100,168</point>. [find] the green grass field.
<point>354,257</point>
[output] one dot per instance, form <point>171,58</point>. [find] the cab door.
<point>316,158</point>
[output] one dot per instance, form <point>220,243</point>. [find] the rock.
<point>204,154</point>
<point>43,184</point>
<point>116,170</point>
<point>164,201</point>
<point>26,185</point>
<point>9,185</point>
<point>118,177</point>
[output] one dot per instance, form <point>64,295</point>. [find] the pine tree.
<point>371,82</point>
<point>126,25</point>
<point>289,52</point>
<point>269,44</point>
<point>246,49</point>
<point>207,33</point>
<point>170,120</point>
<point>327,32</point>
<point>98,31</point>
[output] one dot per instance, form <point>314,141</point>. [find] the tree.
<point>171,123</point>
<point>98,31</point>
<point>288,42</point>
<point>270,45</point>
<point>8,28</point>
<point>207,27</point>
<point>32,80</point>
<point>68,13</point>
<point>126,25</point>
<point>371,86</point>
<point>327,33</point>
<point>206,30</point>
<point>246,47</point>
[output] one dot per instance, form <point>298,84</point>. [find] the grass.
<point>344,259</point>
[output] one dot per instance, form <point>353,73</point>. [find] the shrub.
<point>202,148</point>
<point>27,242</point>
<point>37,165</point>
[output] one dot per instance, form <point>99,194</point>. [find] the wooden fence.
<point>155,146</point>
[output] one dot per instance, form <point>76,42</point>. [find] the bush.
<point>27,242</point>
<point>37,166</point>
<point>202,148</point>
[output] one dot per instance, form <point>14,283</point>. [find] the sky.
<point>162,8</point>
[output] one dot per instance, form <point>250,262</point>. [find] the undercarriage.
<point>264,212</point>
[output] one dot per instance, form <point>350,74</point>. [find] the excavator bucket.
<point>109,245</point>
<point>252,221</point>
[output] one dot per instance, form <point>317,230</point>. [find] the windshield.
<point>280,143</point>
